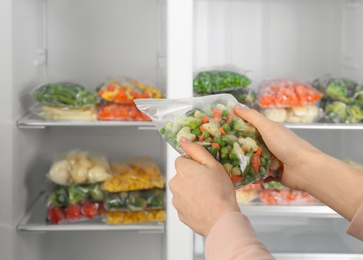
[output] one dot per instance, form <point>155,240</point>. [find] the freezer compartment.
<point>301,237</point>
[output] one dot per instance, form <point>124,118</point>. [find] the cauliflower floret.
<point>79,174</point>
<point>306,113</point>
<point>240,125</point>
<point>212,129</point>
<point>275,114</point>
<point>199,114</point>
<point>237,150</point>
<point>249,143</point>
<point>185,132</point>
<point>233,138</point>
<point>221,107</point>
<point>97,174</point>
<point>60,172</point>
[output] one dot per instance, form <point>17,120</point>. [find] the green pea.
<point>225,113</point>
<point>226,128</point>
<point>193,124</point>
<point>216,140</point>
<point>235,164</point>
<point>163,131</point>
<point>206,135</point>
<point>222,143</point>
<point>224,150</point>
<point>251,171</point>
<point>230,148</point>
<point>197,132</point>
<point>232,156</point>
<point>224,156</point>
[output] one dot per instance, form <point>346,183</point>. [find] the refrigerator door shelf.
<point>34,221</point>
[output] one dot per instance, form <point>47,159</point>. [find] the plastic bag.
<point>79,167</point>
<point>133,217</point>
<point>299,114</point>
<point>210,121</point>
<point>85,113</point>
<point>120,112</point>
<point>340,112</point>
<point>127,177</point>
<point>134,200</point>
<point>126,90</point>
<point>340,89</point>
<point>274,193</point>
<point>285,92</point>
<point>73,194</point>
<point>245,96</point>
<point>64,94</point>
<point>246,194</point>
<point>219,80</point>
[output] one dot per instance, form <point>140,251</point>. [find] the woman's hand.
<point>202,191</point>
<point>295,153</point>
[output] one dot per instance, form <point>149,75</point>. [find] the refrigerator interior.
<point>83,41</point>
<point>302,39</point>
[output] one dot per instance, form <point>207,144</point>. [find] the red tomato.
<point>73,213</point>
<point>90,210</point>
<point>55,215</point>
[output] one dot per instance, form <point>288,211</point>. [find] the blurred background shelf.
<point>34,221</point>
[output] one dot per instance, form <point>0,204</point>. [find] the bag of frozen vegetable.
<point>133,217</point>
<point>245,195</point>
<point>134,200</point>
<point>274,193</point>
<point>340,112</point>
<point>79,167</point>
<point>297,114</point>
<point>210,121</point>
<point>65,94</point>
<point>48,112</point>
<point>107,111</point>
<point>219,80</point>
<point>126,90</point>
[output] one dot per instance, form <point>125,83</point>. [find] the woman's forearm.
<point>335,183</point>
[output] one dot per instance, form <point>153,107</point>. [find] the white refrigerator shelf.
<point>34,221</point>
<point>35,122</point>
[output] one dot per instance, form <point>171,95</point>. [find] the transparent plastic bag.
<point>120,112</point>
<point>340,112</point>
<point>284,92</point>
<point>73,194</point>
<point>246,194</point>
<point>219,80</point>
<point>79,167</point>
<point>133,217</point>
<point>72,213</point>
<point>85,113</point>
<point>210,121</point>
<point>64,94</point>
<point>126,90</point>
<point>297,114</point>
<point>127,177</point>
<point>134,200</point>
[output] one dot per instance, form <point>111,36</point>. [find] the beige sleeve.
<point>355,228</point>
<point>232,237</point>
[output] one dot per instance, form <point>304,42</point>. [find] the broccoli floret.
<point>337,91</point>
<point>355,114</point>
<point>338,109</point>
<point>185,132</point>
<point>240,125</point>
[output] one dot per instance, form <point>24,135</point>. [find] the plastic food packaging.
<point>244,96</point>
<point>134,200</point>
<point>85,113</point>
<point>286,93</point>
<point>136,174</point>
<point>133,217</point>
<point>120,112</point>
<point>274,193</point>
<point>64,94</point>
<point>72,213</point>
<point>247,193</point>
<point>79,167</point>
<point>299,114</point>
<point>210,121</point>
<point>218,81</point>
<point>127,90</point>
<point>340,112</point>
<point>73,194</point>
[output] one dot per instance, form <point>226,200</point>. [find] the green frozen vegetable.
<point>65,94</point>
<point>95,192</point>
<point>77,193</point>
<point>59,196</point>
<point>355,114</point>
<point>337,91</point>
<point>338,109</point>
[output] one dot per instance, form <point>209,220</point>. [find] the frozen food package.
<point>48,112</point>
<point>107,111</point>
<point>126,90</point>
<point>246,194</point>
<point>274,193</point>
<point>340,112</point>
<point>219,79</point>
<point>210,122</point>
<point>134,200</point>
<point>284,92</point>
<point>135,217</point>
<point>73,194</point>
<point>64,94</point>
<point>245,96</point>
<point>72,213</point>
<point>127,177</point>
<point>79,167</point>
<point>296,114</point>
<point>339,89</point>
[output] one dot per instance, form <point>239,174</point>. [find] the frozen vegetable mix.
<point>48,112</point>
<point>64,94</point>
<point>210,122</point>
<point>120,112</point>
<point>217,81</point>
<point>133,217</point>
